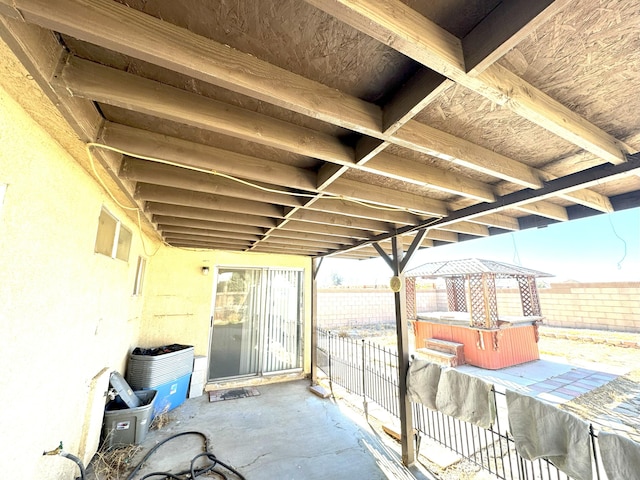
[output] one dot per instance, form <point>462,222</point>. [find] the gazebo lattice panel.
<point>456,296</point>
<point>410,288</point>
<point>529,296</point>
<point>477,300</point>
<point>492,300</point>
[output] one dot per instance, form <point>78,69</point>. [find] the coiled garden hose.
<point>193,472</point>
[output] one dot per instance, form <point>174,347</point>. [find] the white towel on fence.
<point>422,382</point>
<point>466,398</point>
<point>541,430</point>
<point>620,456</point>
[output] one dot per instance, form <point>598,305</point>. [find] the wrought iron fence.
<point>370,370</point>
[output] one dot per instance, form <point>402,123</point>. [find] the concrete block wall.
<point>603,306</point>
<point>338,307</point>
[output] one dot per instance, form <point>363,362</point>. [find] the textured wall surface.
<point>606,306</point>
<point>69,316</point>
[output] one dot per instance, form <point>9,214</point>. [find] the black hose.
<point>192,471</point>
<point>77,461</point>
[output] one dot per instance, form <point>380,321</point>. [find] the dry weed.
<point>115,463</point>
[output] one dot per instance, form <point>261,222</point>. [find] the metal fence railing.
<point>370,370</point>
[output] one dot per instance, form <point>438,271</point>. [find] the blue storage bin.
<point>170,395</point>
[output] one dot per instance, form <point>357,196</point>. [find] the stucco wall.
<point>178,298</point>
<point>67,314</point>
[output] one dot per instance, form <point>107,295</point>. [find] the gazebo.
<point>472,329</point>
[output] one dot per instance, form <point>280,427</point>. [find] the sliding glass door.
<point>257,322</point>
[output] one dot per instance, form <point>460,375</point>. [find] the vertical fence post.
<point>364,384</point>
<point>330,374</point>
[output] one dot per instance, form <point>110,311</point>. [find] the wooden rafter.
<point>398,26</point>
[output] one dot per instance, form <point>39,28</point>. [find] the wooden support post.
<point>406,417</point>
<point>315,266</point>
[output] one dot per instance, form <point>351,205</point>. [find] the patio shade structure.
<point>338,127</point>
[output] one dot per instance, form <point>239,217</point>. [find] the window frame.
<point>119,249</point>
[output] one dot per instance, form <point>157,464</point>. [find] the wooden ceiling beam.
<point>172,229</point>
<point>419,91</point>
<point>195,239</point>
<point>170,176</point>
<point>341,220</point>
<point>468,228</point>
<point>189,198</point>
<point>387,197</point>
<point>104,84</point>
<point>205,246</point>
<point>429,176</point>
<point>545,208</point>
<point>285,235</point>
<point>154,145</point>
<point>207,214</point>
<point>441,235</point>
<point>148,144</point>
<point>173,221</point>
<point>134,33</point>
<point>407,240</point>
<point>338,231</point>
<point>504,28</point>
<point>298,242</point>
<point>121,89</point>
<point>267,247</point>
<point>498,220</point>
<point>127,30</point>
<point>397,25</point>
<point>423,138</point>
<point>351,209</point>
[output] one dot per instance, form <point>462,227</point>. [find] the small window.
<point>137,286</point>
<point>113,239</point>
<point>124,243</point>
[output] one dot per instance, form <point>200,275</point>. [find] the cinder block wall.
<point>604,306</point>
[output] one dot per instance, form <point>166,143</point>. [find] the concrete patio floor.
<point>286,432</point>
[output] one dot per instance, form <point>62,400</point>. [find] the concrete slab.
<point>285,432</point>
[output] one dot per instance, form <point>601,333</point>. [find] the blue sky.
<point>598,248</point>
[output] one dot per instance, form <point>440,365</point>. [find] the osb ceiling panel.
<point>295,36</point>
<point>205,137</point>
<point>287,52</point>
<point>587,57</point>
<point>472,117</point>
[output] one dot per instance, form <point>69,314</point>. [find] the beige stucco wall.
<point>178,297</point>
<point>67,313</point>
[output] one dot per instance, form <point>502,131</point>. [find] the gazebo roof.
<point>469,266</point>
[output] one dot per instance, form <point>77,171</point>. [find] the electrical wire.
<point>193,471</point>
<point>624,242</point>
<point>324,195</point>
<point>88,147</point>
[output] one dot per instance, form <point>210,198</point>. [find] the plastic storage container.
<point>126,426</point>
<point>171,394</point>
<point>152,367</point>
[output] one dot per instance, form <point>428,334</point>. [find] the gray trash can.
<point>127,426</point>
